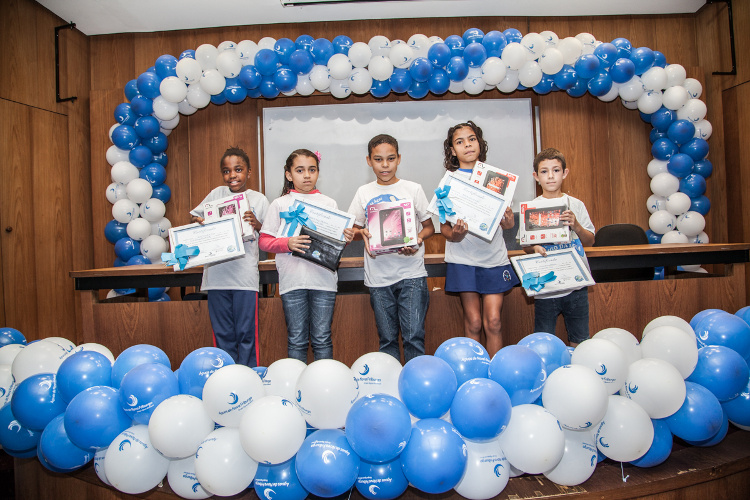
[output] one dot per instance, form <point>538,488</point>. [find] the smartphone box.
<point>540,222</point>
<point>392,226</point>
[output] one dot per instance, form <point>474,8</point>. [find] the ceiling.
<point>96,17</point>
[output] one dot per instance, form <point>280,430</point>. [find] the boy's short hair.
<point>235,151</point>
<point>549,154</point>
<point>381,139</point>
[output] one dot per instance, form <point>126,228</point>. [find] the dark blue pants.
<point>234,319</point>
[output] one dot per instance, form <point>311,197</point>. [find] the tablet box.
<point>540,222</point>
<point>392,226</point>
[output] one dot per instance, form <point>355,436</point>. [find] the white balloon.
<point>605,358</point>
<point>380,46</point>
<point>691,223</point>
<point>628,104</point>
<point>624,340</point>
<point>178,426</point>
<point>9,352</point>
<point>228,64</point>
<point>226,45</point>
<point>530,74</point>
<point>94,347</point>
<point>139,228</point>
<point>304,85</point>
<point>401,55</point>
<point>672,345</point>
<point>153,210</point>
<point>112,129</point>
<point>172,89</point>
<point>124,172</point>
<point>570,48</point>
<point>510,82</point>
<point>197,97</point>
<point>665,184</point>
<point>139,190</point>
<point>656,202</point>
<point>206,55</point>
<point>340,88</point>
<point>613,93</point>
<point>661,221</point>
<point>360,81</point>
<point>487,471</point>
<point>654,78</point>
<point>535,45</point>
<point>377,373</point>
<point>272,430</point>
<point>703,129</point>
<point>339,66</point>
<point>626,432</point>
<point>246,51</point>
<point>694,87</point>
<point>326,391</point>
<point>701,238</point>
<point>229,392</point>
<point>435,39</point>
<point>169,125</point>
<point>116,191</point>
<point>550,38</point>
<point>124,211</point>
<point>281,378</point>
<point>493,71</point>
<point>656,386</point>
<point>164,109</point>
<point>674,236</point>
<point>153,246</point>
<point>7,384</point>
<point>183,481</point>
<point>359,54</point>
<point>650,101</point>
<point>631,90</point>
<point>676,74</point>
<point>222,466</point>
<point>694,110</point>
<point>473,85</point>
<point>188,70</point>
<point>551,61</point>
<point>161,227</point>
<point>186,108</point>
<point>101,472</point>
<point>115,154</point>
<point>212,82</point>
<point>588,41</point>
<point>320,78</point>
<point>419,44</point>
<point>533,441</point>
<point>514,55</point>
<point>132,464</point>
<point>576,395</point>
<point>579,459</point>
<point>456,87</point>
<point>675,97</point>
<point>678,203</point>
<point>380,67</point>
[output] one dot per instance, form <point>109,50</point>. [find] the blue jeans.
<point>403,304</point>
<point>308,316</point>
<point>234,319</point>
<point>575,310</point>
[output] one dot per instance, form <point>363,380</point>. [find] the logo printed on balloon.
<point>197,451</point>
<point>268,493</point>
<point>13,424</point>
<point>286,402</point>
<point>593,460</point>
<point>195,487</point>
<point>2,391</point>
<point>602,443</point>
<point>299,395</point>
<point>123,443</point>
<point>401,446</point>
<point>233,398</point>
<point>602,369</point>
<point>373,489</point>
<point>478,349</point>
<point>498,472</point>
<point>703,335</point>
<point>46,384</point>
<point>326,456</point>
<point>219,362</point>
<point>632,388</point>
<point>544,375</point>
<point>586,425</point>
<point>365,370</point>
<point>132,400</point>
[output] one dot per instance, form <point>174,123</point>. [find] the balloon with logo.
<point>605,358</point>
<point>673,345</point>
<point>281,378</point>
<point>144,387</point>
<point>36,401</point>
<point>576,395</point>
<point>272,430</point>
<point>378,427</point>
<point>94,417</point>
<point>133,465</point>
<point>723,329</point>
<point>467,357</point>
<point>722,371</point>
<point>481,409</point>
<point>82,370</point>
<point>59,451</point>
<point>435,457</point>
<point>657,386</point>
<point>520,371</point>
<point>660,448</point>
<point>229,391</point>
<point>377,373</point>
<point>37,357</point>
<point>427,385</point>
<point>198,366</point>
<point>550,348</point>
<point>183,481</point>
<point>134,356</point>
<point>15,438</point>
<point>327,466</point>
<point>10,335</point>
<point>101,473</point>
<point>624,340</point>
<point>221,465</point>
<point>381,480</point>
<point>178,426</point>
<point>578,461</point>
<point>487,471</point>
<point>7,384</point>
<point>534,441</point>
<point>279,482</point>
<point>625,433</point>
<point>326,391</point>
<point>700,416</point>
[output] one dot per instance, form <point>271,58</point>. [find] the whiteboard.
<point>340,132</point>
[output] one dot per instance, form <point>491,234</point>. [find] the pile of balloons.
<point>471,63</point>
<point>454,420</point>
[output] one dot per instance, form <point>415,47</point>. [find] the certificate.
<point>217,240</point>
<point>480,208</point>
<point>325,220</point>
<point>567,268</point>
<point>495,179</point>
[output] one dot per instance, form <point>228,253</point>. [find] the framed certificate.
<point>236,204</point>
<point>217,240</point>
<point>569,270</point>
<point>495,179</point>
<point>481,208</point>
<point>541,222</point>
<point>325,220</point>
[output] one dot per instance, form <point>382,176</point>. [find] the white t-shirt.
<point>582,216</point>
<point>240,273</point>
<point>474,251</point>
<point>387,269</point>
<point>296,273</point>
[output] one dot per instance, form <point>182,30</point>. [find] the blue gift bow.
<point>444,204</point>
<point>180,255</point>
<point>296,216</point>
<point>535,282</point>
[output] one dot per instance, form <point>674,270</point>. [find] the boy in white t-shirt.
<point>397,281</point>
<point>549,171</point>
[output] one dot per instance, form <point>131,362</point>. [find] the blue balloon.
<point>680,165</point>
<point>494,42</point>
<point>322,50</point>
<point>699,417</point>
<point>266,62</point>
<point>663,118</point>
<point>189,53</point>
<point>138,260</point>
<point>681,131</point>
<point>420,69</point>
<point>467,358</point>
<point>261,371</point>
<point>36,401</point>
<point>520,371</point>
<point>250,77</point>
<point>743,313</point>
<point>699,316</point>
<point>140,156</point>
<point>545,85</point>
<point>660,448</point>
<point>587,66</point>
<point>418,90</point>
<point>268,89</point>
<point>623,70</point>
<point>472,35</point>
<point>14,436</point>
<point>481,409</point>
<point>579,89</point>
<point>281,479</point>
<point>161,159</point>
<point>218,99</point>
<point>645,116</point>
<point>600,84</point>
<point>166,65</point>
<point>234,92</point>
<point>738,409</point>
<point>131,90</point>
<point>550,348</point>
<point>285,79</point>
<point>380,88</point>
<point>330,467</point>
<point>400,80</point>
<point>660,59</point>
<point>475,54</point>
<point>566,78</point>
<point>701,204</point>
<point>134,356</point>
<point>94,418</point>
<point>10,335</point>
<point>696,148</point>
<point>378,427</point>
<point>663,149</point>
<point>693,185</point>
<point>457,69</point>
<point>722,371</point>
<point>512,35</point>
<point>143,388</point>
<point>381,481</point>
<point>161,298</point>
<point>439,54</point>
<point>301,61</point>
<point>717,438</point>
<point>427,385</point>
<point>607,54</point>
<point>162,193</point>
<point>439,82</point>
<point>284,48</point>
<point>119,263</point>
<point>156,292</point>
<point>724,329</point>
<point>46,464</point>
<point>148,84</point>
<point>435,456</point>
<point>624,47</point>
<point>82,370</point>
<point>643,58</point>
<point>198,366</point>
<point>154,173</point>
<point>124,114</point>
<point>142,105</point>
<point>59,451</point>
<point>145,127</point>
<point>127,247</point>
<point>456,44</point>
<point>157,144</point>
<point>704,168</point>
<point>124,137</point>
<point>653,238</point>
<point>656,134</point>
<point>342,44</point>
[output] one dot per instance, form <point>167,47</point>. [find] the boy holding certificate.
<point>397,281</point>
<point>232,285</point>
<point>549,171</point>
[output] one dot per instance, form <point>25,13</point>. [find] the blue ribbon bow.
<point>295,217</point>
<point>180,256</point>
<point>535,282</point>
<point>444,204</point>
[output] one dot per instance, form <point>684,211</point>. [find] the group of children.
<point>478,270</point>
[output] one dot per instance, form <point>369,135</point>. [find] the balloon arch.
<point>471,63</point>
